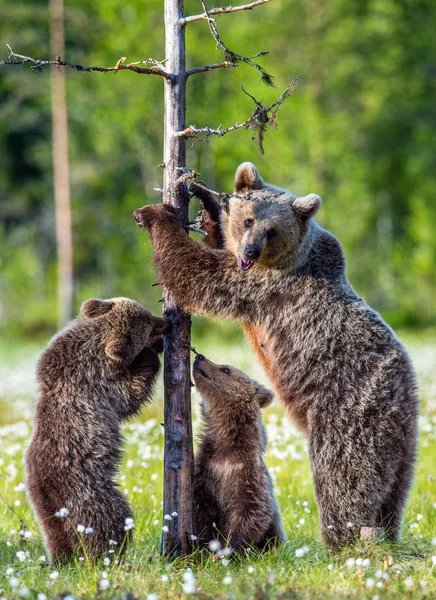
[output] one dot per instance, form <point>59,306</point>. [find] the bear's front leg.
<point>200,279</point>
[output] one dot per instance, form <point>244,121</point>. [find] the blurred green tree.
<point>360,131</point>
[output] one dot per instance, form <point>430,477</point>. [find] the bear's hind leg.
<point>391,513</point>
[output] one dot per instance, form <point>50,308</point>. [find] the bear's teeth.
<point>244,264</point>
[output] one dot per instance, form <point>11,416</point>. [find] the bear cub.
<point>95,373</point>
<point>233,492</point>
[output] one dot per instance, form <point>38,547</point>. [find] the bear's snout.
<point>252,252</point>
<point>137,216</point>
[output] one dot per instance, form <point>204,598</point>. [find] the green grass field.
<point>302,568</point>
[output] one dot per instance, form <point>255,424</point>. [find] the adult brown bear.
<point>344,377</point>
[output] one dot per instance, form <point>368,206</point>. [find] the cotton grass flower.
<point>188,586</point>
<point>214,545</point>
<point>299,552</point>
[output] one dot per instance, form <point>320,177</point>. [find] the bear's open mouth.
<point>244,264</point>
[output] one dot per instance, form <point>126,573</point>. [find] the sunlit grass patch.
<point>301,568</point>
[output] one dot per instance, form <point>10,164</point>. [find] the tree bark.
<point>178,451</point>
<point>61,178</point>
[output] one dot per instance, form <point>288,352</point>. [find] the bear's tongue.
<point>244,264</point>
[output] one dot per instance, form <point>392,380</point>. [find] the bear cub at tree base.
<point>95,373</point>
<point>233,492</point>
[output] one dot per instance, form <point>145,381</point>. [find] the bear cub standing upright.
<point>95,373</point>
<point>233,492</point>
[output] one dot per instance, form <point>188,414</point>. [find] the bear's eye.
<point>271,233</point>
<point>248,223</point>
<point>225,370</point>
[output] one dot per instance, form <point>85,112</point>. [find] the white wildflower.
<point>227,580</point>
<point>104,584</point>
<point>418,517</point>
<point>89,530</point>
<point>301,551</point>
<point>20,487</point>
<point>225,562</point>
<point>350,563</point>
<point>14,582</point>
<point>165,529</point>
<point>250,569</point>
<point>168,518</point>
<point>21,556</point>
<point>24,592</point>
<point>54,575</point>
<point>349,524</point>
<point>194,538</point>
<point>409,582</point>
<point>369,583</point>
<point>174,514</point>
<point>42,558</point>
<point>129,524</point>
<point>433,560</point>
<point>189,582</point>
<point>80,528</point>
<point>214,545</point>
<point>107,561</point>
<point>63,512</point>
<point>41,596</point>
<point>152,597</point>
<point>28,535</point>
<point>164,578</point>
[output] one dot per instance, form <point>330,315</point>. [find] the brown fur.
<point>340,371</point>
<point>232,486</point>
<point>95,373</point>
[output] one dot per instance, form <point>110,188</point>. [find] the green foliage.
<point>359,130</point>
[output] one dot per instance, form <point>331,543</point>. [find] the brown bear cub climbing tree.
<point>233,493</point>
<point>95,373</point>
<point>345,379</point>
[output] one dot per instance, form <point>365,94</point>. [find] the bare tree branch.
<point>221,65</point>
<point>231,56</point>
<point>224,10</point>
<point>156,68</point>
<point>261,118</point>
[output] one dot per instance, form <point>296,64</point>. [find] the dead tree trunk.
<point>178,451</point>
<point>61,178</point>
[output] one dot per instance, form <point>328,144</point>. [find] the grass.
<point>302,568</point>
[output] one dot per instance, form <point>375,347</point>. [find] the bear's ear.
<point>265,396</point>
<point>247,178</point>
<point>96,308</point>
<point>117,349</point>
<point>306,206</point>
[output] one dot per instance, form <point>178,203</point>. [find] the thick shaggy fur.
<point>233,492</point>
<point>95,373</point>
<point>344,377</point>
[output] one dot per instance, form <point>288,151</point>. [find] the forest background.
<point>359,130</point>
